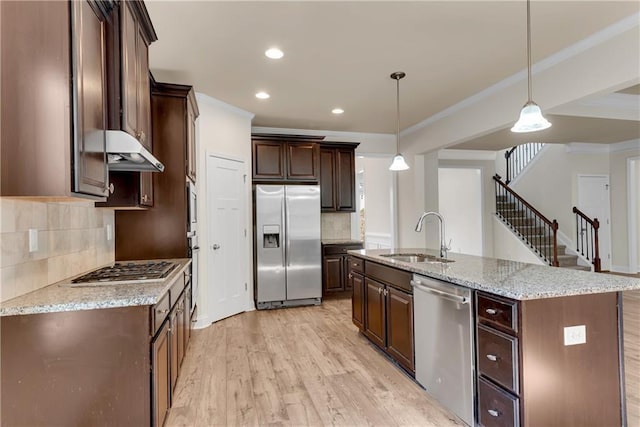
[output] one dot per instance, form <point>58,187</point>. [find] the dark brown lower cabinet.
<point>400,326</point>
<point>528,376</point>
<point>79,368</point>
<point>173,339</point>
<point>357,300</point>
<point>382,308</point>
<point>160,381</point>
<point>335,268</point>
<point>374,323</point>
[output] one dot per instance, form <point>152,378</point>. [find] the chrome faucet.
<point>443,247</point>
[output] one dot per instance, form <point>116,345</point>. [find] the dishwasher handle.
<point>451,297</point>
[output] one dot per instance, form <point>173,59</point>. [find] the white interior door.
<point>226,224</point>
<point>593,200</point>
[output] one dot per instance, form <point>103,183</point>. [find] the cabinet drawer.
<point>394,277</point>
<point>176,289</point>
<point>501,312</point>
<point>355,264</point>
<point>339,249</point>
<point>498,357</point>
<point>496,408</point>
<point>160,312</point>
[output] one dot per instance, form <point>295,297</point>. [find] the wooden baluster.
<point>596,258</point>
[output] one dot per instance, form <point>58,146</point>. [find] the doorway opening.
<point>460,202</point>
<point>633,213</point>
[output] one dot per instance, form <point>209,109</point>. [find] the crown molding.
<point>589,148</point>
<point>330,135</point>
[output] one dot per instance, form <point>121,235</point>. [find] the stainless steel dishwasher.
<point>443,327</point>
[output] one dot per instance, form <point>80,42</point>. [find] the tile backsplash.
<point>336,225</point>
<point>71,237</point>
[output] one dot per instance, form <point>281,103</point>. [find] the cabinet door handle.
<point>492,357</point>
<point>491,311</point>
<point>493,412</point>
<point>163,311</point>
<point>145,198</point>
<point>379,290</point>
<point>385,292</point>
<point>350,276</point>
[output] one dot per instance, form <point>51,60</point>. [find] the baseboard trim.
<point>622,269</point>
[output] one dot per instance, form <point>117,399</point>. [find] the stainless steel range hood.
<point>127,154</point>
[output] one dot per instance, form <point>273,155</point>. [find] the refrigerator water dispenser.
<point>271,236</point>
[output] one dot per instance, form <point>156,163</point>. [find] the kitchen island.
<point>546,342</point>
<point>95,353</point>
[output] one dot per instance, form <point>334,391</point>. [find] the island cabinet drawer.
<point>355,264</point>
<point>496,408</point>
<point>398,278</point>
<point>498,311</point>
<point>159,312</point>
<point>498,357</point>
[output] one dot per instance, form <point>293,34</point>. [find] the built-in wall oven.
<point>192,237</point>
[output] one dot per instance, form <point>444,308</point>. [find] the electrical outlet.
<point>109,232</point>
<point>33,240</point>
<point>575,335</point>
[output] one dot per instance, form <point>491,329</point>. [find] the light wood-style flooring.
<point>297,366</point>
<point>310,366</point>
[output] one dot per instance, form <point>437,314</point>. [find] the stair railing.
<point>540,233</point>
<point>587,238</point>
<point>518,158</point>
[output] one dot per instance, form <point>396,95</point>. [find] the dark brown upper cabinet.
<point>337,177</point>
<point>161,232</point>
<point>54,99</point>
<point>286,158</point>
<point>129,34</point>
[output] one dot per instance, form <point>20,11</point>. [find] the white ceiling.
<point>340,54</point>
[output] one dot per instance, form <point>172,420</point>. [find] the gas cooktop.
<point>128,272</point>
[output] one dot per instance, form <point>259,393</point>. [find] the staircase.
<point>533,232</point>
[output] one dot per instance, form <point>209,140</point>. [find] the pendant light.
<point>398,163</point>
<point>531,118</point>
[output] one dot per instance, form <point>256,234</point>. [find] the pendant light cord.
<point>529,49</point>
<point>398,115</point>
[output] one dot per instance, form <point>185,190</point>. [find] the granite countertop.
<point>62,297</point>
<point>341,242</point>
<point>511,279</point>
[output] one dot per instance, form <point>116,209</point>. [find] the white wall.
<point>637,213</point>
<point>378,182</point>
<point>226,131</point>
<point>508,246</point>
<point>460,202</point>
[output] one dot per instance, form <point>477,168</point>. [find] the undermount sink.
<point>416,257</point>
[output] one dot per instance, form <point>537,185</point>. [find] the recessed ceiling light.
<point>274,53</point>
<point>337,111</point>
<point>262,95</point>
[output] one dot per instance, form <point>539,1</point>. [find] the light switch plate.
<point>109,232</point>
<point>575,335</point>
<point>33,240</point>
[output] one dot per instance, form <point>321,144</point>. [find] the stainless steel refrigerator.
<point>288,259</point>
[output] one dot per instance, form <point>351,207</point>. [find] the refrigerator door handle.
<point>283,232</point>
<point>287,233</point>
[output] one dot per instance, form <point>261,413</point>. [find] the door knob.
<point>215,247</point>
